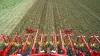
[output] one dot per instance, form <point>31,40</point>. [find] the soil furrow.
<point>49,20</point>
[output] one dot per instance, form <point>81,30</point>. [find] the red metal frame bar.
<point>71,44</point>
<point>9,39</point>
<point>55,39</point>
<point>25,44</point>
<point>21,40</point>
<point>90,39</point>
<point>3,38</point>
<point>64,52</point>
<point>41,40</point>
<point>1,52</point>
<point>68,33</point>
<point>87,47</point>
<point>77,40</point>
<point>45,39</point>
<point>80,53</point>
<point>93,39</point>
<point>29,30</point>
<point>15,53</point>
<point>10,45</point>
<point>32,52</point>
<point>96,53</point>
<point>96,39</point>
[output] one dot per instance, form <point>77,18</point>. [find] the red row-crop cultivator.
<point>35,43</point>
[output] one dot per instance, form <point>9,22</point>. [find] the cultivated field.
<point>4,4</point>
<point>82,16</point>
<point>10,17</point>
<point>50,15</point>
<point>7,5</point>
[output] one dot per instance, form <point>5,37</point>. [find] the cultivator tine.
<point>60,45</point>
<point>33,47</point>
<point>3,38</point>
<point>91,37</point>
<point>45,39</point>
<point>15,53</point>
<point>21,40</point>
<point>9,39</point>
<point>55,39</point>
<point>25,45</point>
<point>96,39</point>
<point>71,44</point>
<point>88,48</point>
<point>63,48</point>
<point>10,45</point>
<point>41,40</point>
<point>92,42</point>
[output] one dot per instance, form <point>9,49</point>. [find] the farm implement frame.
<point>35,44</point>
